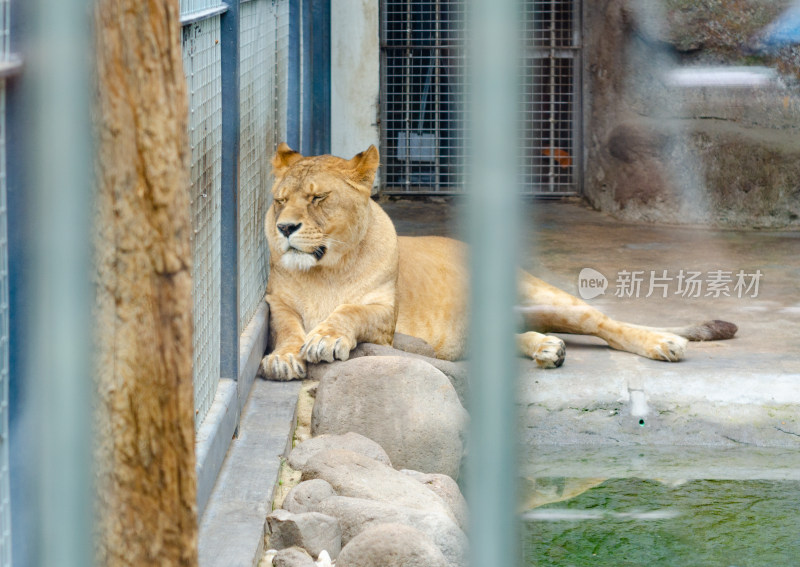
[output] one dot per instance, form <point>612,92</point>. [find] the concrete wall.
<point>355,76</point>
<point>711,155</point>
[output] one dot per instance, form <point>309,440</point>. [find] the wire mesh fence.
<point>202,65</point>
<point>264,50</point>
<point>423,76</point>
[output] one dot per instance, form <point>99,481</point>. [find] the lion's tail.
<point>714,330</point>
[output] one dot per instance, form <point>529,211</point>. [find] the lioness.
<point>340,275</point>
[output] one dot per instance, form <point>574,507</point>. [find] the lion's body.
<point>432,293</point>
<point>340,275</point>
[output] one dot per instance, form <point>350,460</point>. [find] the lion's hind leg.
<point>652,343</point>
<point>547,351</point>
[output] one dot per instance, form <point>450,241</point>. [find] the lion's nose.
<point>287,228</point>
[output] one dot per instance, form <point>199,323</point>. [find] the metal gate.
<point>422,77</point>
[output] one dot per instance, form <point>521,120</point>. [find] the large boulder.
<point>349,441</point>
<point>353,474</point>
<point>404,404</point>
<point>357,514</point>
<point>391,545</point>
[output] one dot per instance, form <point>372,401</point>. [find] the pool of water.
<point>744,512</point>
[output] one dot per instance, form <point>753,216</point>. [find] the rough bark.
<point>145,450</point>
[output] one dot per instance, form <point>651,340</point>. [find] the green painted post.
<point>493,231</point>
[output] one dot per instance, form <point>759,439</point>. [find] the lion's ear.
<point>284,158</point>
<point>364,166</point>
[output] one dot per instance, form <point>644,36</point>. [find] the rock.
<point>352,474</point>
<point>304,496</point>
<point>456,372</point>
<point>293,557</point>
<point>312,531</point>
<point>446,489</point>
<point>349,441</point>
<point>357,514</point>
<point>404,404</point>
<point>391,545</point>
<point>413,345</point>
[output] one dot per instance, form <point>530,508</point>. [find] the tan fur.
<point>343,276</point>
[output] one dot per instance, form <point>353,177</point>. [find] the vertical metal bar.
<point>493,224</point>
<point>229,209</point>
<point>307,117</point>
<point>577,93</point>
<point>321,77</point>
<point>293,105</point>
<point>58,342</point>
<point>407,70</point>
<point>437,93</point>
<point>551,174</point>
<point>383,123</point>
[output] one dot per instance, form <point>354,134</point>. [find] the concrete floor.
<point>740,392</point>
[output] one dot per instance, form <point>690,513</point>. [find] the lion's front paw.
<point>284,366</point>
<point>667,346</point>
<point>321,346</point>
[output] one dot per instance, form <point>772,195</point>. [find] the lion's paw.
<point>667,347</point>
<point>550,353</point>
<point>283,367</point>
<point>321,347</point>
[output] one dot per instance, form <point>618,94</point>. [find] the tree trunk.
<point>146,484</point>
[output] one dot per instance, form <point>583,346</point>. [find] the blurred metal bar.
<point>58,342</point>
<point>493,57</point>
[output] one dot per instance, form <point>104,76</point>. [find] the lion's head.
<point>320,209</point>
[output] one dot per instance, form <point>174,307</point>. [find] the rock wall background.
<point>719,156</point>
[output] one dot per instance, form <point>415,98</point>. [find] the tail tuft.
<point>715,330</point>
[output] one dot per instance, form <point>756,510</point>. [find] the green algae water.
<point>744,521</point>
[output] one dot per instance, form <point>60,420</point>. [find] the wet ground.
<point>744,391</point>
